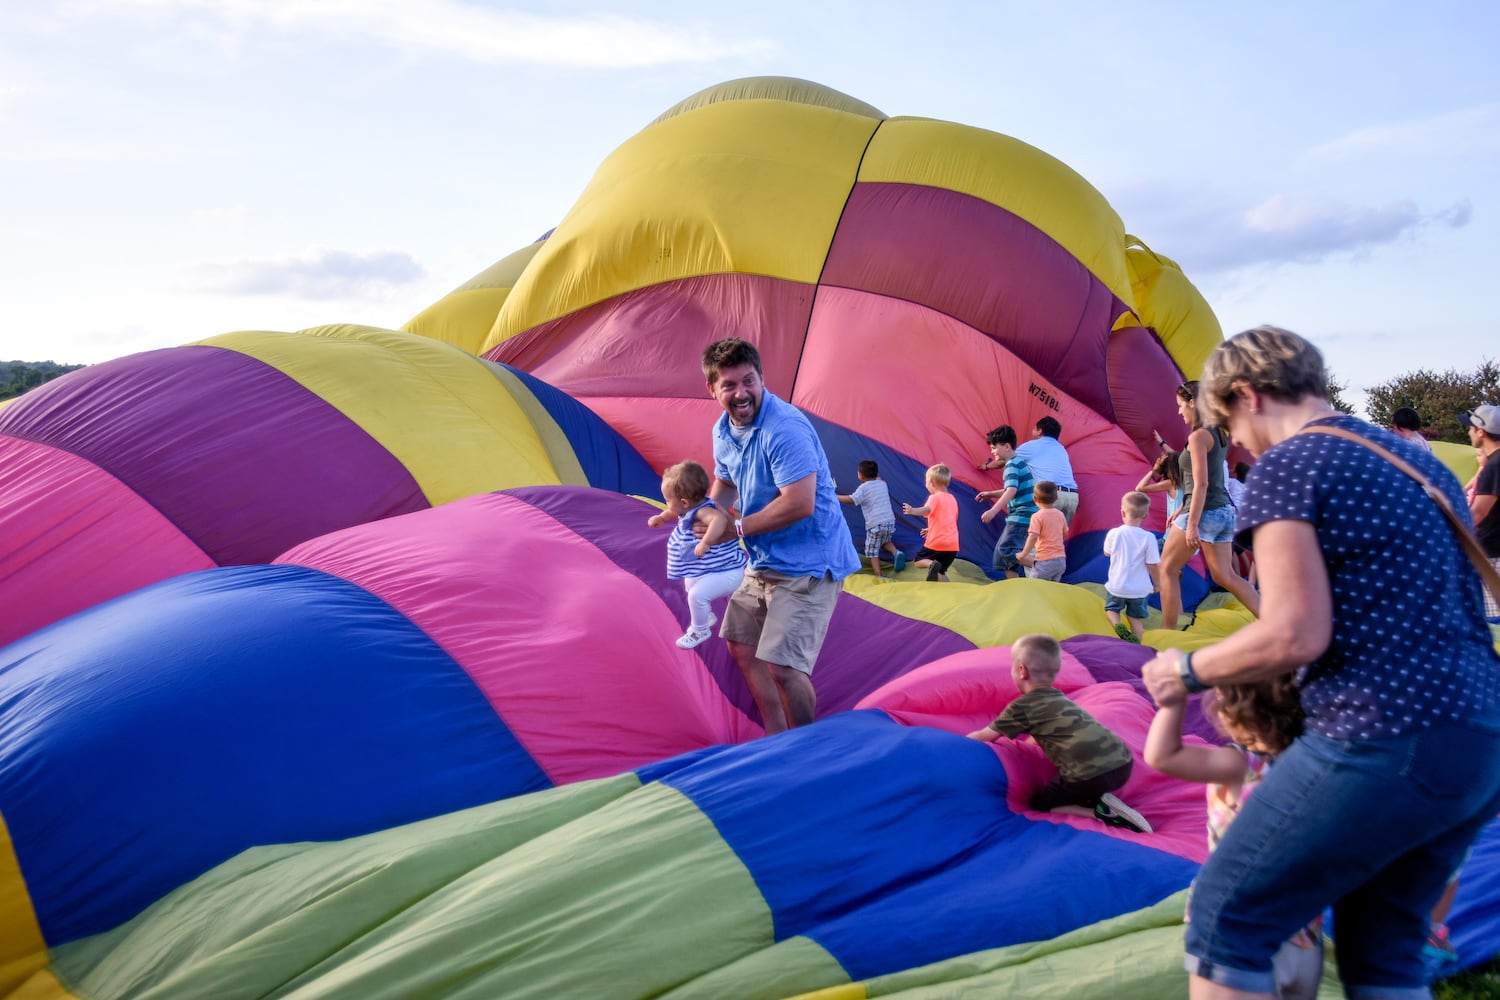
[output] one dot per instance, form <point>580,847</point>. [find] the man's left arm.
<point>791,504</point>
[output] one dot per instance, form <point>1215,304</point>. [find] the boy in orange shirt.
<point>941,533</point>
<point>1044,556</point>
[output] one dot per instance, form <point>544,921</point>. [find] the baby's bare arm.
<point>717,527</point>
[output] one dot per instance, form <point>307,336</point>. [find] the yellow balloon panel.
<point>772,88</point>
<point>1009,173</point>
<point>752,187</point>
<point>439,411</point>
<point>986,614</point>
<point>465,316</point>
<point>23,952</point>
<point>1168,303</point>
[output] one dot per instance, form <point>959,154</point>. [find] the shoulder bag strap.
<point>1466,539</point>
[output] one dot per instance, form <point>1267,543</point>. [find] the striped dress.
<point>681,563</point>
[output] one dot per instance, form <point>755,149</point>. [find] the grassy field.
<point>1479,983</point>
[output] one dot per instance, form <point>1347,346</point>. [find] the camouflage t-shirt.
<point>1073,740</point>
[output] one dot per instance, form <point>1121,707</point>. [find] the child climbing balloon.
<point>1262,720</point>
<point>1133,557</point>
<point>1092,762</point>
<point>1165,477</point>
<point>710,567</point>
<point>940,537</point>
<point>873,498</point>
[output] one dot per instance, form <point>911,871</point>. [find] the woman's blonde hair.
<point>1272,361</point>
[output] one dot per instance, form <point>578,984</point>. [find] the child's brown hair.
<point>1271,710</point>
<point>688,479</point>
<point>1045,492</point>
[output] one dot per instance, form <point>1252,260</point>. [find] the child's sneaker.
<point>900,561</point>
<point>1112,812</point>
<point>1123,631</point>
<point>694,637</point>
<point>1438,954</point>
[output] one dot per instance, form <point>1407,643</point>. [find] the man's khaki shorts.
<point>784,617</point>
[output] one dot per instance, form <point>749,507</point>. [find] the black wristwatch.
<point>1185,674</point>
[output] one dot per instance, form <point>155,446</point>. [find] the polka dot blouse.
<point>1410,646</point>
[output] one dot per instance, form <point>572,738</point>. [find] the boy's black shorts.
<point>943,559</point>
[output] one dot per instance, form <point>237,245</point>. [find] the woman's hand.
<point>1194,539</point>
<point>1163,678</point>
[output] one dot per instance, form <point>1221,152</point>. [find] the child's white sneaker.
<point>695,636</point>
<point>1112,812</point>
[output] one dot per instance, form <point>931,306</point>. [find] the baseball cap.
<point>1486,418</point>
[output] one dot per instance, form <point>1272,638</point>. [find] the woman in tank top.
<point>1205,522</point>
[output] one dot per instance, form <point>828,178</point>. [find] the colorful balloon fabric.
<point>910,283</point>
<point>229,451</point>
<point>501,672</point>
<point>343,663</point>
<point>404,669</point>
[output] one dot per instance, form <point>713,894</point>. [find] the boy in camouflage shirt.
<point>1091,761</point>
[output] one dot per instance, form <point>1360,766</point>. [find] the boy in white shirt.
<point>1133,556</point>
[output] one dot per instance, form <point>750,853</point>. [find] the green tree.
<point>17,377</point>
<point>1336,389</point>
<point>1438,398</point>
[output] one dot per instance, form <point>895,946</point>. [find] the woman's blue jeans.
<point>1374,827</point>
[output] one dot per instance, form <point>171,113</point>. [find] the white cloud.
<point>1447,134</point>
<point>318,273</point>
<point>1208,232</point>
<point>479,33</point>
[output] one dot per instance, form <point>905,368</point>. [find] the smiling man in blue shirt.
<point>771,467</point>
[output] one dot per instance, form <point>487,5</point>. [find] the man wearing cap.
<point>1483,423</point>
<point>1049,460</point>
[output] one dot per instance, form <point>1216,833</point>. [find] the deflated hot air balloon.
<point>911,284</point>
<point>229,451</point>
<point>344,661</point>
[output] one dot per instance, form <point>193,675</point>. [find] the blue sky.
<point>174,169</point>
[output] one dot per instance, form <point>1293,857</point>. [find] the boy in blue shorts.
<point>1133,557</point>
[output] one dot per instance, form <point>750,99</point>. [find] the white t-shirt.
<point>1130,548</point>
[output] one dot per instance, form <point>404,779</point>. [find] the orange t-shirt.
<point>1050,526</point>
<point>942,523</point>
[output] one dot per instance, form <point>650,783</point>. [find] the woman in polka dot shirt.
<point>1366,593</point>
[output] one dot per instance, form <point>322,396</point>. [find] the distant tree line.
<point>1438,398</point>
<point>18,376</point>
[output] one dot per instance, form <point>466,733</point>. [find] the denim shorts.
<point>1134,607</point>
<point>1373,827</point>
<point>1215,525</point>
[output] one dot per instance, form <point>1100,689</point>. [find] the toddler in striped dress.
<point>710,567</point>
